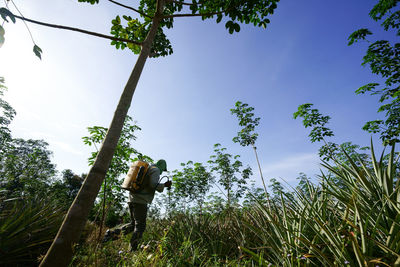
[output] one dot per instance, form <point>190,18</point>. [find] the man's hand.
<point>168,184</point>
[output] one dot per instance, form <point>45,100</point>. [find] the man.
<point>138,202</point>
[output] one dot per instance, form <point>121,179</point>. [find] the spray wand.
<point>169,192</point>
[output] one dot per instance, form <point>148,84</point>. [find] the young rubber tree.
<point>143,33</point>
<point>277,190</point>
<point>246,136</point>
<point>331,151</point>
<point>254,195</point>
<point>383,58</point>
<point>192,183</point>
<point>314,119</point>
<point>111,194</point>
<point>231,177</point>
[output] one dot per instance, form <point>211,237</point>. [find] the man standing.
<point>138,202</point>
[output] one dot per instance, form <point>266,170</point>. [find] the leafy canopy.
<point>383,58</point>
<point>136,29</point>
<point>124,155</point>
<point>246,136</point>
<point>192,182</point>
<point>318,122</point>
<point>313,118</point>
<point>232,177</point>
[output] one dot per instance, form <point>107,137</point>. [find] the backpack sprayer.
<point>135,179</point>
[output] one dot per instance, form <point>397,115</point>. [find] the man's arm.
<point>155,178</point>
<point>160,187</point>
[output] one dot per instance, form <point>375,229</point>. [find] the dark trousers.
<point>138,213</point>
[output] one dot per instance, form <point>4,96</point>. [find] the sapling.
<point>319,132</point>
<point>232,178</point>
<point>313,118</point>
<point>124,154</point>
<point>247,136</point>
<point>192,183</point>
<point>330,151</point>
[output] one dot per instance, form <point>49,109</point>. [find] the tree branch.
<point>78,30</point>
<point>194,15</point>
<point>186,4</point>
<point>159,9</point>
<point>131,8</point>
<point>182,3</point>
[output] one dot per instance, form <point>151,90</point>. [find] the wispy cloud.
<point>66,147</point>
<point>29,134</point>
<point>289,168</point>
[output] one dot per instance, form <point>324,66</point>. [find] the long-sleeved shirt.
<point>147,194</point>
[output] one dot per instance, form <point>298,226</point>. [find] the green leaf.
<point>366,88</point>
<point>381,8</point>
<point>127,18</point>
<point>236,27</point>
<point>136,49</point>
<point>90,1</point>
<point>219,18</point>
<point>263,24</point>
<point>4,13</point>
<point>358,35</point>
<point>38,51</point>
<point>393,21</point>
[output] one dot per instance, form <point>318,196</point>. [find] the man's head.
<point>162,165</point>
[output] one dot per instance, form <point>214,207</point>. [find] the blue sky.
<point>182,101</point>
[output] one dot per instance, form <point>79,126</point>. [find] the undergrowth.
<point>352,223</point>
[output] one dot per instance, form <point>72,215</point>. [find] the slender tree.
<point>144,36</point>
<point>192,183</point>
<point>111,194</point>
<point>231,176</point>
<point>254,195</point>
<point>246,136</point>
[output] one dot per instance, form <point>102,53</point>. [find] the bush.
<point>27,228</point>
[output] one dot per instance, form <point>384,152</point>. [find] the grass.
<point>352,223</point>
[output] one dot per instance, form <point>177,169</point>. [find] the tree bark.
<point>103,213</point>
<point>262,177</point>
<point>61,250</point>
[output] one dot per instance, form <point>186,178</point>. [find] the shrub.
<point>27,228</point>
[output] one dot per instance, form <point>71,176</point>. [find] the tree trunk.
<point>61,250</point>
<point>229,196</point>
<point>262,177</point>
<point>103,213</point>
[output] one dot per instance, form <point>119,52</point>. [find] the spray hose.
<point>169,191</point>
<point>165,176</point>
